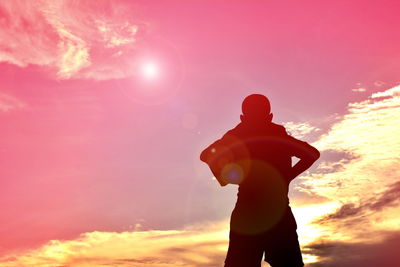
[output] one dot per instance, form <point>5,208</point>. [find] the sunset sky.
<point>106,105</point>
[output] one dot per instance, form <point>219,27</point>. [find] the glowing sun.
<point>150,70</point>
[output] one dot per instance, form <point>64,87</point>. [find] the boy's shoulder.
<point>272,128</point>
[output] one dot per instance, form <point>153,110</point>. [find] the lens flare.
<point>150,70</point>
<point>159,72</point>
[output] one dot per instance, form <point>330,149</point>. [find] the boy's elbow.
<point>203,156</point>
<point>311,155</point>
<point>315,154</point>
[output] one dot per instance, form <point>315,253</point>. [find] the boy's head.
<point>256,107</point>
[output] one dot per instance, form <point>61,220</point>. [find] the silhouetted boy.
<point>257,155</point>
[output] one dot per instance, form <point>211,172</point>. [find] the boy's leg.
<point>282,248</point>
<point>244,250</point>
<point>284,252</point>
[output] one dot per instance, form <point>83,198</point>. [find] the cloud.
<point>378,253</point>
<point>359,90</point>
<point>393,92</point>
<point>367,135</point>
<point>300,129</point>
<point>9,103</point>
<point>389,197</point>
<point>73,39</point>
<point>359,172</point>
<point>193,246</point>
<point>334,160</point>
<point>204,245</point>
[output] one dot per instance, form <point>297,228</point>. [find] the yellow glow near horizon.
<point>305,215</point>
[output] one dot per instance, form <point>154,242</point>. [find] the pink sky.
<point>94,143</point>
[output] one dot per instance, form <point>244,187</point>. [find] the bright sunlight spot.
<point>149,70</point>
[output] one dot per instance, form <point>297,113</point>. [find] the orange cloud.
<point>205,246</point>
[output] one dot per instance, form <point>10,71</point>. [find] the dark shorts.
<point>279,244</point>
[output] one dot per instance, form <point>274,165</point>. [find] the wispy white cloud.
<point>300,129</point>
<point>82,39</point>
<point>359,89</point>
<point>379,83</point>
<point>9,103</point>
<point>359,172</point>
<point>368,132</point>
<point>393,92</point>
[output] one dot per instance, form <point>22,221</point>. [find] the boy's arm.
<point>305,152</point>
<point>210,156</point>
<point>218,155</point>
<point>206,154</point>
<point>217,148</point>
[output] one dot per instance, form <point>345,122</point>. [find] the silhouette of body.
<point>257,155</point>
